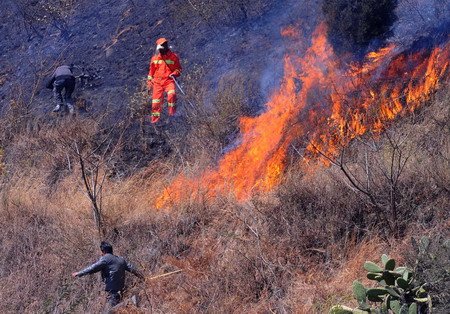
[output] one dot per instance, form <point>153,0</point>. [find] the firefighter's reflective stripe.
<point>156,101</point>
<point>150,77</point>
<point>156,114</point>
<point>171,91</point>
<point>162,61</point>
<point>162,68</point>
<point>171,104</point>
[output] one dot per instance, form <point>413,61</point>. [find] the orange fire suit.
<point>161,68</point>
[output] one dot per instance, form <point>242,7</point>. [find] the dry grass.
<point>296,249</point>
<point>227,267</point>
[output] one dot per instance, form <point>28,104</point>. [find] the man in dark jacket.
<point>113,269</point>
<point>62,78</point>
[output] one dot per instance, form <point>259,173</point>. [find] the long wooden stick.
<point>166,274</point>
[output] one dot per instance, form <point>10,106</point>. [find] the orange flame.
<point>322,102</point>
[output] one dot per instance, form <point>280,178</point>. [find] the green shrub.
<point>354,24</point>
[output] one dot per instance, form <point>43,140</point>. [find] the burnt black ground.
<point>115,39</point>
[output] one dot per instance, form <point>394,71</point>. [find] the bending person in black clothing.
<point>113,269</point>
<point>62,78</point>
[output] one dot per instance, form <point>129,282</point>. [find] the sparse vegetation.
<point>37,15</point>
<point>231,12</point>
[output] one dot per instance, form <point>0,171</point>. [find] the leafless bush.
<point>139,107</point>
<point>377,175</point>
<point>39,247</point>
<point>36,14</point>
<point>18,114</point>
<point>383,168</point>
<point>205,11</point>
<point>216,124</point>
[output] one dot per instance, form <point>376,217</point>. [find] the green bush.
<point>354,24</point>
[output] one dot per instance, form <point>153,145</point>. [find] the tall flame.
<point>322,102</point>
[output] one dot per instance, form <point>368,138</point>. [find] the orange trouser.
<point>159,87</point>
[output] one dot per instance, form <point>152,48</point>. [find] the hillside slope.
<point>294,247</point>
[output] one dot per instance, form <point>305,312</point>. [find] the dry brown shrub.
<point>2,164</point>
<point>37,251</point>
<point>212,120</point>
<point>320,288</point>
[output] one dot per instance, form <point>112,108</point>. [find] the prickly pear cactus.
<point>396,292</point>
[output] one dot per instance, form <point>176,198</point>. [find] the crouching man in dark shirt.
<point>112,269</point>
<point>62,78</point>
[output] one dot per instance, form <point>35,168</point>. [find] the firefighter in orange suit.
<point>164,65</point>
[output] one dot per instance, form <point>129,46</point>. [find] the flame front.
<point>322,103</point>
